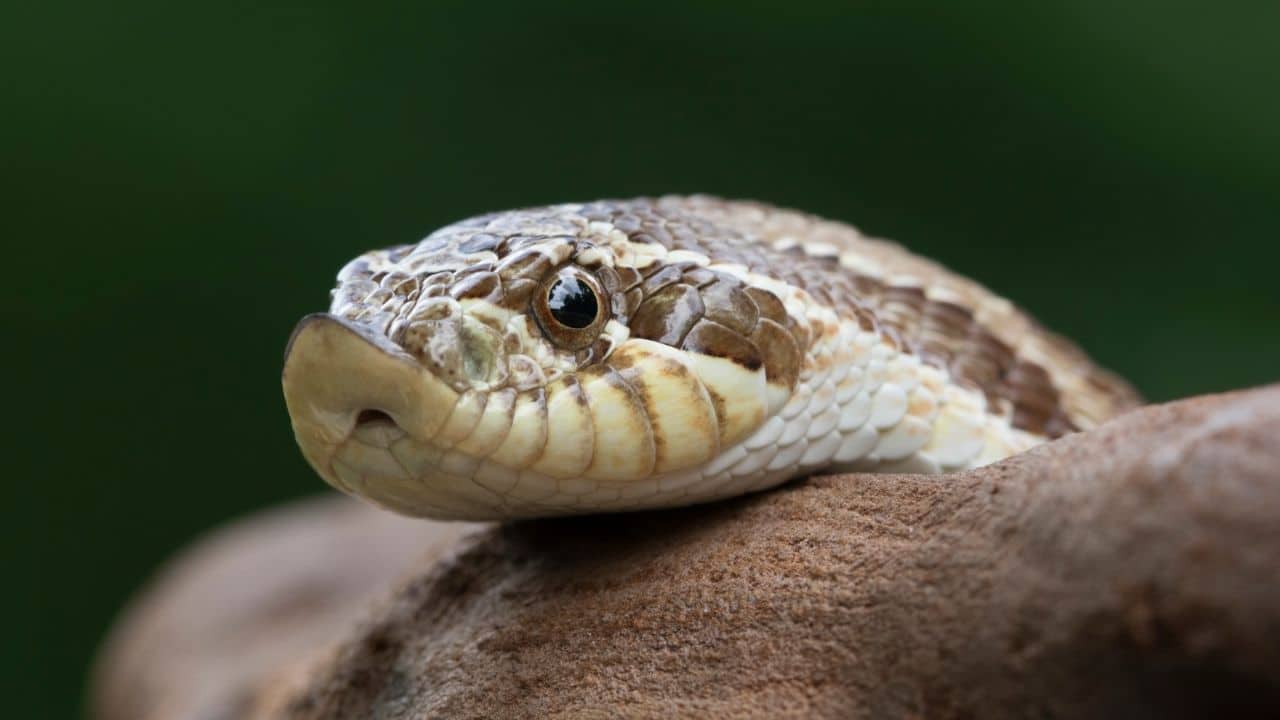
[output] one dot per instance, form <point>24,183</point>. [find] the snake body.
<point>621,355</point>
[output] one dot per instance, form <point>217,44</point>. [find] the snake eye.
<point>572,303</point>
<point>570,308</point>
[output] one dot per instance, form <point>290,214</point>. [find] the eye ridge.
<point>572,302</point>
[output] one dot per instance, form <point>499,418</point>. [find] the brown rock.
<point>234,616</point>
<point>1133,571</point>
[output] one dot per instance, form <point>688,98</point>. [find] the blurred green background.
<point>182,181</point>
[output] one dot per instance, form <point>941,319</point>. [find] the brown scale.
<point>485,285</point>
<point>693,307</point>
<point>688,306</point>
<point>1035,400</point>
<point>944,334</point>
<point>713,313</point>
<point>943,328</point>
<point>667,315</point>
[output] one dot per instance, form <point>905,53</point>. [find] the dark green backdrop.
<point>181,182</point>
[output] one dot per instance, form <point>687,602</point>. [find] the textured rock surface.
<point>1132,571</point>
<point>235,616</point>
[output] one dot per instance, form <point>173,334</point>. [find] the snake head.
<point>538,362</point>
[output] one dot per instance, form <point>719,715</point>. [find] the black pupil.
<point>572,303</point>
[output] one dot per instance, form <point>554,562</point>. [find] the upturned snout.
<point>339,375</point>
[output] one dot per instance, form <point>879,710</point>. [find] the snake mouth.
<point>372,417</point>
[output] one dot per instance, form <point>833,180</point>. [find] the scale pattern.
<point>741,345</point>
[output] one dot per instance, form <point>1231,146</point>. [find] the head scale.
<point>535,361</point>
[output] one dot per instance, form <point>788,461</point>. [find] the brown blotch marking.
<point>943,328</point>
<point>866,318</point>
<point>718,407</point>
<point>484,286</point>
<point>893,338</point>
<point>667,316</point>
<point>1035,399</point>
<point>615,379</point>
<point>940,333</point>
<point>528,264</point>
<point>518,293</point>
<point>982,362</point>
<point>782,359</point>
<point>634,397</point>
<point>901,308</point>
<point>1059,424</point>
<point>628,277</point>
<point>624,368</point>
<point>609,279</point>
<point>768,305</point>
<point>407,288</point>
<point>712,338</point>
<point>634,297</point>
<point>472,269</point>
<point>867,286</point>
<point>801,332</point>
<point>822,294</point>
<point>511,343</point>
<point>728,304</point>
<point>659,276</point>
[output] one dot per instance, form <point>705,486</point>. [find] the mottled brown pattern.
<point>945,332</point>
<point>913,303</point>
<point>667,315</point>
<point>711,338</point>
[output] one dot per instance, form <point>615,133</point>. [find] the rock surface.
<point>1133,571</point>
<point>230,619</point>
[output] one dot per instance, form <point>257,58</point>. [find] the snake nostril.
<point>370,417</point>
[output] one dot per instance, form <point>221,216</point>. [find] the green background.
<point>182,181</point>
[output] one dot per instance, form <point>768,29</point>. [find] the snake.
<point>624,355</point>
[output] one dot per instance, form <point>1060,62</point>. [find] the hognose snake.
<point>622,355</point>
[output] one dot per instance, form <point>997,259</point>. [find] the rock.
<point>236,615</point>
<point>1133,571</point>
